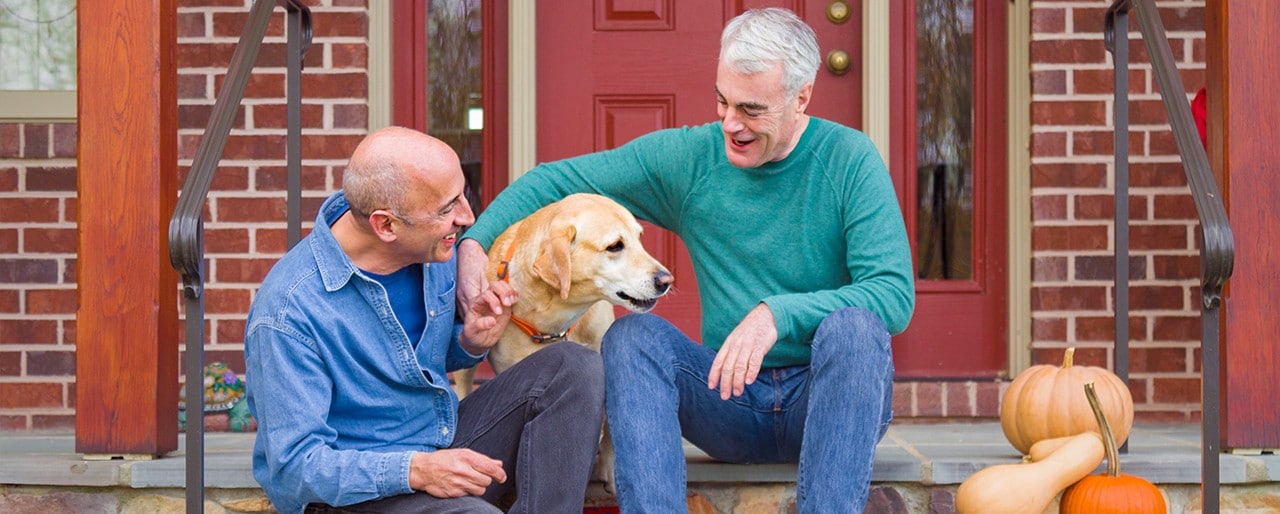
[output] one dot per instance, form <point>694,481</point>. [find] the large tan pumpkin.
<point>1044,402</point>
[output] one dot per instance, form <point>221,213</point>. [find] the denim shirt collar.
<point>335,267</point>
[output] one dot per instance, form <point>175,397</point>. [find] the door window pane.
<point>454,103</point>
<point>38,45</point>
<point>944,139</point>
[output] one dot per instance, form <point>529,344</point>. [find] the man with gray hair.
<point>804,272</point>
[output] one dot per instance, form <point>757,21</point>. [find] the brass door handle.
<point>838,62</point>
<point>838,12</point>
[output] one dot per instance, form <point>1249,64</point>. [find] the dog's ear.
<point>552,264</point>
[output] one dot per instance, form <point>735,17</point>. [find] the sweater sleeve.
<point>877,256</point>
<point>648,176</point>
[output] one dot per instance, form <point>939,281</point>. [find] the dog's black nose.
<point>662,281</point>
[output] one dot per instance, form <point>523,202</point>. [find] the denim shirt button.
<point>444,430</point>
<point>432,313</point>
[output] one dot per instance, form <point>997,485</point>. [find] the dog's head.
<point>590,250</point>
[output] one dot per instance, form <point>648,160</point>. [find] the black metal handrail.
<point>1216,248</point>
<point>186,227</point>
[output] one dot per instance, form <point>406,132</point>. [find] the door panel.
<point>951,162</point>
<point>609,71</point>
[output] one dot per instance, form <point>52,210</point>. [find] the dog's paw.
<point>604,465</point>
<point>603,471</point>
<point>462,382</point>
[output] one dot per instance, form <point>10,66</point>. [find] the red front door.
<point>610,71</point>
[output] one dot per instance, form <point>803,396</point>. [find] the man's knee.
<point>631,327</point>
<point>851,330</point>
<point>629,333</point>
<point>853,318</point>
<point>577,364</point>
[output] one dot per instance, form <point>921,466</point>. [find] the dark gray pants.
<point>542,419</point>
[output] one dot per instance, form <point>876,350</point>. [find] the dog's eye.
<point>615,247</point>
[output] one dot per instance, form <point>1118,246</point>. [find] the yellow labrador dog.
<point>570,262</point>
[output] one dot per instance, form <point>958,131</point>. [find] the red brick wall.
<point>244,223</point>
<point>37,275</point>
<point>1072,205</point>
<point>245,232</point>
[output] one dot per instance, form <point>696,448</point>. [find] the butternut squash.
<point>1041,450</point>
<point>1028,487</point>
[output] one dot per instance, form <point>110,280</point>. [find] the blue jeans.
<point>827,416</point>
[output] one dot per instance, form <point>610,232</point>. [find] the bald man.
<point>349,340</point>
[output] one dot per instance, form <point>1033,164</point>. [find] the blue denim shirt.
<point>341,397</point>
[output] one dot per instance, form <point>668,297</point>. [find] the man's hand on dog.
<point>486,317</point>
<point>454,472</point>
<point>739,359</point>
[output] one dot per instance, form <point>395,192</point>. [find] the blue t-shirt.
<point>404,288</point>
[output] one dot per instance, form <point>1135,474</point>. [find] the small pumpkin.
<point>1044,402</point>
<point>1028,487</point>
<point>1111,492</point>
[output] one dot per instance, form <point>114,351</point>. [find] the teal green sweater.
<point>813,233</point>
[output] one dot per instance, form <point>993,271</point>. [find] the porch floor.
<point>923,453</point>
<point>911,454</point>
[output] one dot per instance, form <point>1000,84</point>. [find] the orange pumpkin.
<point>1044,402</point>
<point>1112,492</point>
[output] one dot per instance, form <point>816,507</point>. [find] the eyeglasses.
<point>466,197</point>
<point>403,218</point>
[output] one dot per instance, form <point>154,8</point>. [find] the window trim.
<point>29,106</point>
<point>876,118</point>
<point>379,71</point>
<point>47,105</point>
